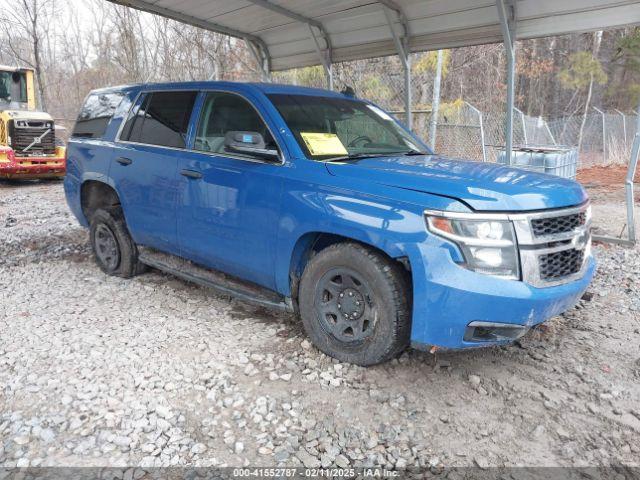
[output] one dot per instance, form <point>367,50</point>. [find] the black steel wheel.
<point>107,249</point>
<point>113,248</point>
<point>345,305</point>
<point>355,304</point>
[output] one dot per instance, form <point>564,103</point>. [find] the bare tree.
<point>27,23</point>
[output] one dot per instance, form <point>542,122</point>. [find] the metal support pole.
<point>407,92</point>
<point>261,59</point>
<point>628,186</point>
<point>604,135</point>
<point>631,173</point>
<point>435,102</point>
<point>507,14</point>
<point>325,57</point>
<point>402,46</point>
<point>629,194</point>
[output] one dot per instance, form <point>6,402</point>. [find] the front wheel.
<point>355,304</point>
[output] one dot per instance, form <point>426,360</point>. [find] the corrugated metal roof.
<point>358,28</point>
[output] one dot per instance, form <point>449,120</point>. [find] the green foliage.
<point>582,67</point>
<point>628,49</point>
<point>427,62</point>
<point>449,112</point>
<point>306,76</point>
<point>310,75</point>
<point>628,52</point>
<point>372,87</point>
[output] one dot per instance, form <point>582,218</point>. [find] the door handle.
<point>190,173</point>
<point>124,161</point>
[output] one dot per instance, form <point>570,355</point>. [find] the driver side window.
<point>227,112</point>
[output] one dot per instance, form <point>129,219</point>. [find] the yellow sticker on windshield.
<point>323,143</point>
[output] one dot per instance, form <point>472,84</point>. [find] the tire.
<point>370,289</point>
<point>113,248</point>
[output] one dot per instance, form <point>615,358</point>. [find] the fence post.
<point>604,135</point>
<point>484,148</point>
<point>624,126</point>
<point>524,125</point>
<point>481,123</point>
<point>546,125</point>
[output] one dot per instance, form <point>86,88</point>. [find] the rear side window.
<point>96,114</point>
<point>162,118</point>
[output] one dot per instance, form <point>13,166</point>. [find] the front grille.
<point>554,245</point>
<point>554,266</point>
<point>543,227</point>
<point>22,137</point>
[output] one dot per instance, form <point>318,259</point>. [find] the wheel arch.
<point>310,243</point>
<point>95,194</point>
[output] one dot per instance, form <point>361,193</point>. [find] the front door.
<point>144,167</point>
<point>229,205</point>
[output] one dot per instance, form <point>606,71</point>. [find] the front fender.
<point>376,220</point>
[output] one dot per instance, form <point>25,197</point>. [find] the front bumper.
<point>447,298</point>
<point>33,167</point>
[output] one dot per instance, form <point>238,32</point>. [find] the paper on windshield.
<point>323,143</point>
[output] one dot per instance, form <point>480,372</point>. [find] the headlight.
<point>487,244</point>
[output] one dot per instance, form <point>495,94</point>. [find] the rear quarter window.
<point>96,114</point>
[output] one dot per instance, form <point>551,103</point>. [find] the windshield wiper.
<point>415,152</point>
<point>360,156</point>
<point>355,156</point>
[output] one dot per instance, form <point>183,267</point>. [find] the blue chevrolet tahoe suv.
<point>322,204</point>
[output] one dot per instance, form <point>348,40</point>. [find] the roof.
<point>266,88</point>
<point>356,29</point>
<point>7,68</point>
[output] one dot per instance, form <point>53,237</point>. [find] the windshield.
<point>13,86</point>
<point>327,127</point>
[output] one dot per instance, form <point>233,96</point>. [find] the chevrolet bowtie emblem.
<point>579,242</point>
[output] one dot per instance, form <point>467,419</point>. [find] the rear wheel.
<point>354,303</point>
<point>114,250</point>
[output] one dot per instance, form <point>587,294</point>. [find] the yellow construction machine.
<point>28,145</point>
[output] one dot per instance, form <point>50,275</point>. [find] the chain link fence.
<point>462,130</point>
<point>603,137</point>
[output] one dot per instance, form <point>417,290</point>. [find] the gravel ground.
<point>153,371</point>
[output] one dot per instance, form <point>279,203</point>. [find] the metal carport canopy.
<point>285,34</point>
<point>358,29</point>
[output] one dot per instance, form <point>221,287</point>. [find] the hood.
<point>482,186</point>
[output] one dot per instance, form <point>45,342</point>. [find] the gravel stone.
<point>153,371</point>
<point>307,459</point>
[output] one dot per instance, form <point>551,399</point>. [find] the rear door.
<point>144,166</point>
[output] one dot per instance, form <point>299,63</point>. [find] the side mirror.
<point>249,143</point>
